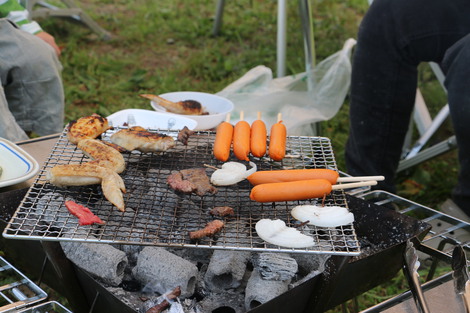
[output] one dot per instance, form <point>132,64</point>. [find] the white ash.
<point>259,290</point>
<point>58,217</point>
<point>275,266</point>
<point>231,300</point>
<point>162,270</point>
<point>226,269</point>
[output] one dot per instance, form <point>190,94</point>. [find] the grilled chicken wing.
<point>188,107</point>
<point>88,174</point>
<point>87,127</point>
<point>138,138</point>
<point>102,154</point>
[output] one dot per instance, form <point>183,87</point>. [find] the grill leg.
<point>64,269</point>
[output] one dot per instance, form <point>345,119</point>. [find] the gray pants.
<point>31,90</point>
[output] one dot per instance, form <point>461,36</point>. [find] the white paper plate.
<point>18,166</point>
<point>218,107</point>
<point>151,119</point>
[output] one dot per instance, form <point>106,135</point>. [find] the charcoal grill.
<point>156,215</point>
<point>314,295</point>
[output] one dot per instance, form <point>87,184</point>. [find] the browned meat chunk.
<point>212,228</point>
<point>194,180</point>
<point>183,135</point>
<point>222,211</point>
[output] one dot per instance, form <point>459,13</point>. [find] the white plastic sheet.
<point>299,105</point>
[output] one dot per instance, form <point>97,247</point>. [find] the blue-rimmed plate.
<point>17,165</point>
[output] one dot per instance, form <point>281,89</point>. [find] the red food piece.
<point>85,216</point>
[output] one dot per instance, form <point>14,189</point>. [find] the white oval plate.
<point>18,166</point>
<point>151,119</point>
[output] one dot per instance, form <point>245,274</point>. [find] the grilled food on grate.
<point>87,127</point>
<point>102,154</point>
<point>138,138</point>
<point>88,174</point>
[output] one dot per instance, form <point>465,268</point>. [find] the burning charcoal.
<point>226,269</point>
<point>130,285</point>
<point>227,301</point>
<point>275,266</point>
<point>101,260</point>
<point>259,290</point>
<point>51,210</point>
<point>310,262</point>
<point>162,271</point>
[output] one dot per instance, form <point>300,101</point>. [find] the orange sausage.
<point>258,138</point>
<point>223,141</point>
<point>277,141</point>
<point>241,140</point>
<point>291,191</point>
<point>279,176</point>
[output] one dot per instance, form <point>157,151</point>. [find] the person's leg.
<point>456,66</point>
<point>30,75</point>
<point>394,37</point>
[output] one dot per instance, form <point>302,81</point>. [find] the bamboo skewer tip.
<point>354,185</point>
<point>359,178</point>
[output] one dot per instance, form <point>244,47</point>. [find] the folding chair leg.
<point>219,13</point>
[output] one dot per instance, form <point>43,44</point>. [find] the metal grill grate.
<point>156,215</point>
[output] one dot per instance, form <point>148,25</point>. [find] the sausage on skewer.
<point>258,138</point>
<point>223,140</point>
<point>277,140</point>
<point>299,190</point>
<point>241,139</point>
<point>279,176</point>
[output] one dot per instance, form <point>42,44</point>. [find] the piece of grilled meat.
<point>102,154</point>
<point>187,107</point>
<point>87,127</point>
<point>88,174</point>
<point>193,180</point>
<point>138,138</point>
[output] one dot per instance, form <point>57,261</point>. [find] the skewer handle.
<point>359,178</point>
<point>227,118</point>
<point>354,185</point>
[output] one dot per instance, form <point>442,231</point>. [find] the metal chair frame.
<point>44,9</point>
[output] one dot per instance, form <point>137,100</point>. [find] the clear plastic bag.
<point>299,105</point>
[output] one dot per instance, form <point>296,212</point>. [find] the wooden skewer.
<point>258,115</point>
<point>211,166</point>
<point>360,178</point>
<point>242,115</point>
<point>227,118</point>
<point>354,185</point>
<point>279,117</point>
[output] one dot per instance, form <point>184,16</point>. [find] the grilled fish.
<point>89,174</point>
<point>188,107</point>
<point>138,138</point>
<point>87,127</point>
<point>102,154</point>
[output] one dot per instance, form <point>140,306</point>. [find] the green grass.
<point>167,45</point>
